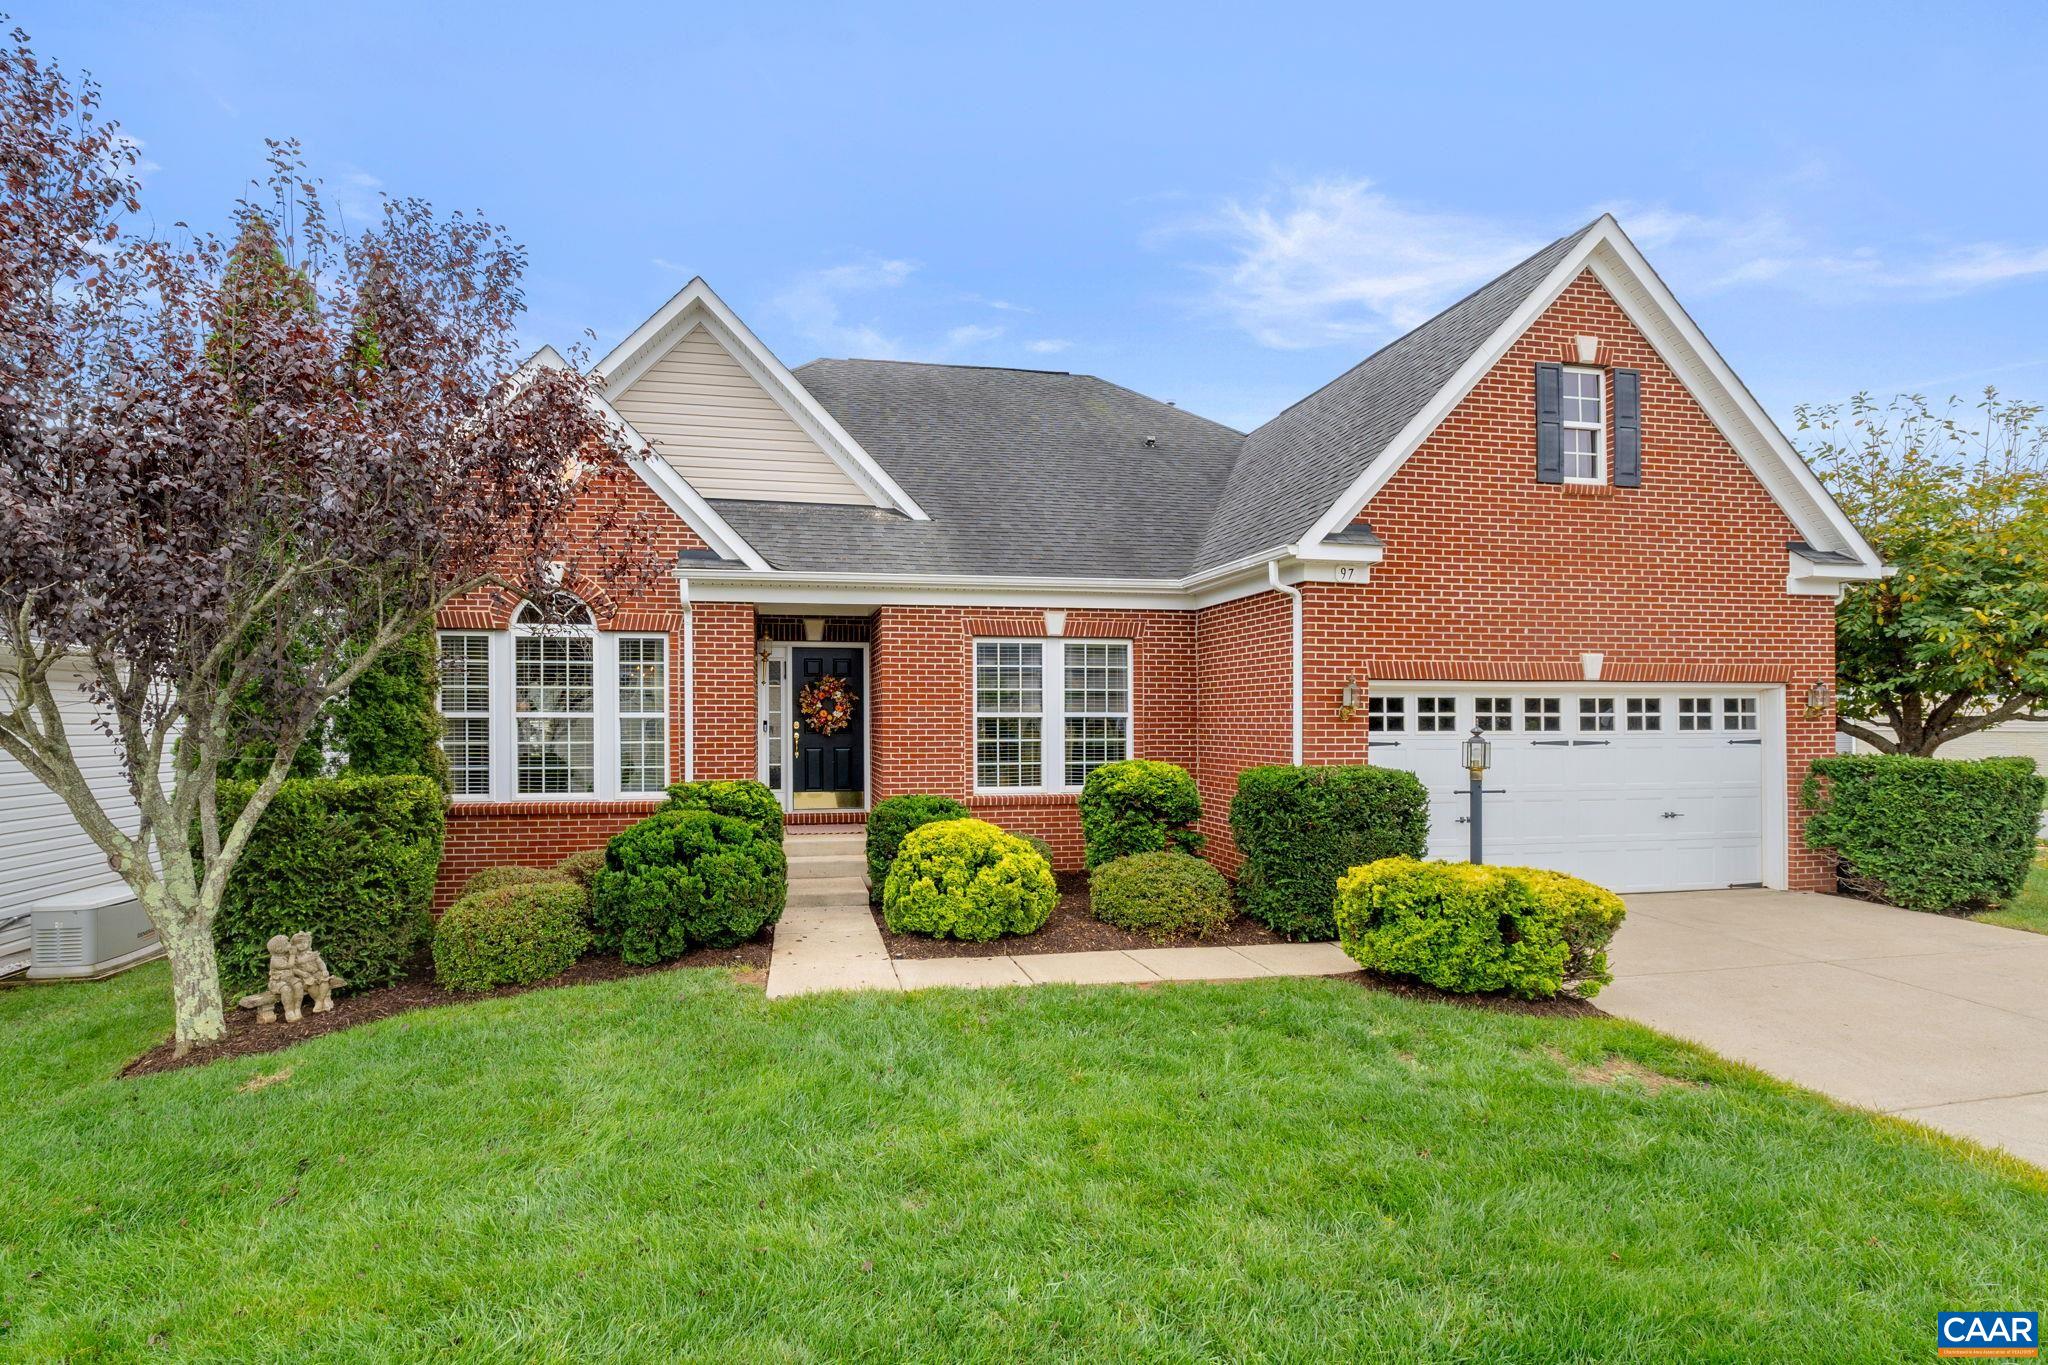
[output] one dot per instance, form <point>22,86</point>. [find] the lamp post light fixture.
<point>1477,752</point>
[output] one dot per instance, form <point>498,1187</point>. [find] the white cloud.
<point>360,197</point>
<point>815,303</point>
<point>1048,345</point>
<point>970,335</point>
<point>1338,261</point>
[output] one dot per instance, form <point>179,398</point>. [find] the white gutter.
<point>1273,577</point>
<point>689,679</point>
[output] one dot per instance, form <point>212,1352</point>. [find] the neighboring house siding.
<point>1243,703</point>
<point>2014,739</point>
<point>43,852</point>
<point>1490,575</point>
<point>922,685</point>
<point>704,414</point>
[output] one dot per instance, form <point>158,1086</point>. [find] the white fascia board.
<point>1627,276</point>
<point>696,304</point>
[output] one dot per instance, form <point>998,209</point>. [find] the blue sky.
<point>1223,207</point>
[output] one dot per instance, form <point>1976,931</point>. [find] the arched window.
<point>563,609</point>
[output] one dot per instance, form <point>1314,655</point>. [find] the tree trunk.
<point>195,981</point>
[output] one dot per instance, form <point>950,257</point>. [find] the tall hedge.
<point>1299,829</point>
<point>740,798</point>
<point>1927,833</point>
<point>1138,806</point>
<point>892,820</point>
<point>683,879</point>
<point>390,722</point>
<point>350,859</point>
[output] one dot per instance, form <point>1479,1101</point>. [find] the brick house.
<point>1551,512</point>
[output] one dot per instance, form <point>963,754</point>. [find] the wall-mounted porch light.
<point>1820,697</point>
<point>1347,705</point>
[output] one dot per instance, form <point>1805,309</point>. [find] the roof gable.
<point>722,408</point>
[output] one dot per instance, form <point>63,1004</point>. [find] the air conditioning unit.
<point>91,933</point>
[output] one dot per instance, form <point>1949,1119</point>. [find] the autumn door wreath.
<point>827,705</point>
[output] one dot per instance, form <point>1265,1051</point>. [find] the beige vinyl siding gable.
<point>703,413</point>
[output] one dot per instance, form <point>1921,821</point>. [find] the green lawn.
<point>2028,910</point>
<point>671,1167</point>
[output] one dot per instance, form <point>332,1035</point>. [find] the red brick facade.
<point>1487,575</point>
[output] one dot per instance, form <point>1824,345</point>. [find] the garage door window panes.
<point>1544,714</point>
<point>1596,713</point>
<point>1494,713</point>
<point>1645,713</point>
<point>1436,714</point>
<point>1695,713</point>
<point>1386,715</point>
<point>1738,713</point>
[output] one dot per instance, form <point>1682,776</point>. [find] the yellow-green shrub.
<point>1462,928</point>
<point>497,878</point>
<point>1164,895</point>
<point>967,879</point>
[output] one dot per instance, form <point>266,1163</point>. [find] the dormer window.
<point>1585,426</point>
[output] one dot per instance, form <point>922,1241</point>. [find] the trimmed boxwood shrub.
<point>351,860</point>
<point>1463,928</point>
<point>1927,833</point>
<point>1040,847</point>
<point>741,798</point>
<point>495,878</point>
<point>581,868</point>
<point>1164,895</point>
<point>1138,806</point>
<point>510,936</point>
<point>890,820</point>
<point>683,879</point>
<point>967,879</point>
<point>1299,829</point>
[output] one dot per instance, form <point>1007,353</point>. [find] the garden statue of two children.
<point>296,971</point>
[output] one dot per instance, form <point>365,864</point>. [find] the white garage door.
<point>1657,789</point>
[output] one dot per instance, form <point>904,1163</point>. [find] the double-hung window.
<point>466,712</point>
<point>554,694</point>
<point>1584,426</point>
<point>1082,712</point>
<point>643,713</point>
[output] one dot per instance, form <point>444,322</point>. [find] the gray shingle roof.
<point>1023,472</point>
<point>1294,467</point>
<point>1039,473</point>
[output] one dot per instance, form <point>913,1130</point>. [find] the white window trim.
<point>1052,712</point>
<point>486,715</point>
<point>1599,429</point>
<point>622,714</point>
<point>504,715</point>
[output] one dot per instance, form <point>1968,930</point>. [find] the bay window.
<point>1086,712</point>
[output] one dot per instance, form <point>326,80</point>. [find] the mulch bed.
<point>247,1038</point>
<point>1072,928</point>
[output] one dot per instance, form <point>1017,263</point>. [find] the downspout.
<point>689,688</point>
<point>1273,577</point>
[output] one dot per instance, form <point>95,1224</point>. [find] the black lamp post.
<point>1477,751</point>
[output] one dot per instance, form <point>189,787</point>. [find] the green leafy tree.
<point>1955,499</point>
<point>388,724</point>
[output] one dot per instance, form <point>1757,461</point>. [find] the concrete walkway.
<point>827,941</point>
<point>1939,1020</point>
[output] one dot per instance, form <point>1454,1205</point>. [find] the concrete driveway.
<point>1938,1020</point>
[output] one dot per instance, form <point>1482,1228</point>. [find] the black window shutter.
<point>1628,429</point>
<point>1549,424</point>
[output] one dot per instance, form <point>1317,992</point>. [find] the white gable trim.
<point>695,305</point>
<point>661,477</point>
<point>1621,269</point>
